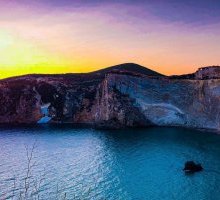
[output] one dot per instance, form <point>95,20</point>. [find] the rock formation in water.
<point>126,95</point>
<point>191,167</point>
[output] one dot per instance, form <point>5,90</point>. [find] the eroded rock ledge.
<point>114,98</point>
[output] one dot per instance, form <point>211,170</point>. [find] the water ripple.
<point>110,165</point>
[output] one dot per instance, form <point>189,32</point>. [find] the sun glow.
<point>20,57</point>
<point>5,40</point>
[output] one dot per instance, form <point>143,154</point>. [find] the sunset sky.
<point>61,36</point>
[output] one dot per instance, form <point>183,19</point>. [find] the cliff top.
<point>209,67</point>
<point>130,67</point>
<point>126,68</point>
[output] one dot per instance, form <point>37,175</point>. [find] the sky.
<point>67,36</point>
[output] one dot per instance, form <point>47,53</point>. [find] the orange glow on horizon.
<point>76,41</point>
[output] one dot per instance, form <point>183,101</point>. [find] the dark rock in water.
<point>192,167</point>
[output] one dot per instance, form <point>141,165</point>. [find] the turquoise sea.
<point>133,164</point>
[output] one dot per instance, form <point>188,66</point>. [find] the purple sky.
<point>187,11</point>
<point>58,36</point>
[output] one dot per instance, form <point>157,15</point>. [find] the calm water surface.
<point>94,164</point>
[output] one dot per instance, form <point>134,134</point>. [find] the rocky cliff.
<point>121,96</point>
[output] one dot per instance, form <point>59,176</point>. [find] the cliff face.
<point>113,99</point>
<point>165,102</point>
<point>208,72</point>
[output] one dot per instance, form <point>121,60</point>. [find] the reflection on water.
<point>126,164</point>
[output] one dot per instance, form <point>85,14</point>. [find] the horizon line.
<point>93,71</point>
